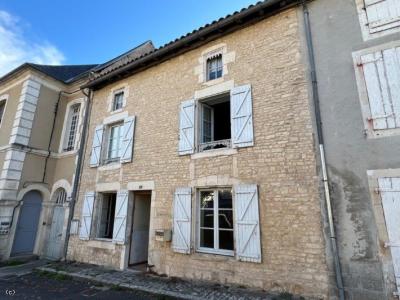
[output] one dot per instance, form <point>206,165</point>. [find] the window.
<point>214,67</point>
<point>118,101</point>
<point>106,215</point>
<point>114,142</point>
<point>60,196</point>
<point>215,123</point>
<point>215,221</point>
<point>72,127</point>
<point>2,108</point>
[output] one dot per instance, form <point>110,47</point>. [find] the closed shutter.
<point>242,116</point>
<point>247,232</point>
<point>86,217</point>
<point>96,146</point>
<point>121,211</point>
<point>390,193</point>
<point>182,220</point>
<point>127,139</point>
<point>382,14</point>
<point>186,127</point>
<point>382,79</point>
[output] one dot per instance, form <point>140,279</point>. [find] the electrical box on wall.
<point>163,235</point>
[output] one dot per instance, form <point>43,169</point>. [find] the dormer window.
<point>214,67</point>
<point>118,101</point>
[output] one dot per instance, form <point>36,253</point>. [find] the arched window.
<point>60,196</point>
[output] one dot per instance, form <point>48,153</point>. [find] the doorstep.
<point>148,282</point>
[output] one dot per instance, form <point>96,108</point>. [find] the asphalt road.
<point>49,286</point>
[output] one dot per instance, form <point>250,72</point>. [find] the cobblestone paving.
<point>157,284</point>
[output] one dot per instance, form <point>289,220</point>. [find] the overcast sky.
<point>89,31</point>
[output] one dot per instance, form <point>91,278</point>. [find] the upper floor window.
<point>214,67</point>
<point>114,142</point>
<point>72,127</point>
<point>60,196</point>
<point>2,109</point>
<point>118,101</point>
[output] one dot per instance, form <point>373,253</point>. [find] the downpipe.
<point>317,111</point>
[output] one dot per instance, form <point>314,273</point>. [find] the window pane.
<point>118,101</point>
<point>226,240</point>
<point>2,106</point>
<point>114,149</point>
<point>225,219</point>
<point>207,218</point>
<point>225,199</point>
<point>207,199</point>
<point>207,238</point>
<point>214,67</point>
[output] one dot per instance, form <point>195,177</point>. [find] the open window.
<point>106,214</point>
<point>214,123</point>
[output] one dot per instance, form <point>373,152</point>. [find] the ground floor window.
<point>106,215</point>
<point>215,225</point>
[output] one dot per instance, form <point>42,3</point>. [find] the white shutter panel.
<point>182,220</point>
<point>242,116</point>
<point>96,146</point>
<point>390,193</point>
<point>382,14</point>
<point>247,227</point>
<point>121,211</point>
<point>86,217</point>
<point>186,127</point>
<point>378,91</point>
<point>127,140</point>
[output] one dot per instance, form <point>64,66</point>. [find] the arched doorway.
<point>27,226</point>
<point>55,241</point>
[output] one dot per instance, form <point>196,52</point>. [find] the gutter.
<point>78,170</point>
<point>325,179</point>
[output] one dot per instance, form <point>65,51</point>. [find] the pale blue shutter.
<point>86,217</point>
<point>382,14</point>
<point>128,139</point>
<point>96,146</point>
<point>186,127</point>
<point>247,224</point>
<point>182,220</point>
<point>242,117</point>
<point>121,211</point>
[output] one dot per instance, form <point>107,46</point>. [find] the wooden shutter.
<point>382,79</point>
<point>96,146</point>
<point>86,217</point>
<point>186,127</point>
<point>127,140</point>
<point>182,220</point>
<point>382,14</point>
<point>121,211</point>
<point>390,193</point>
<point>242,116</point>
<point>247,227</point>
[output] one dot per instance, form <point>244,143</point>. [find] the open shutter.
<point>182,220</point>
<point>186,127</point>
<point>96,146</point>
<point>127,140</point>
<point>121,211</point>
<point>382,14</point>
<point>382,79</point>
<point>242,116</point>
<point>248,246</point>
<point>86,217</point>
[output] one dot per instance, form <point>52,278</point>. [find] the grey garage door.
<point>25,235</point>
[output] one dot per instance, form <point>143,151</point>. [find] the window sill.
<point>216,252</point>
<point>112,112</point>
<point>66,153</point>
<point>214,81</point>
<point>213,153</point>
<point>110,166</point>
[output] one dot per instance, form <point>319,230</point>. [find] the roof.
<point>63,73</point>
<point>129,64</point>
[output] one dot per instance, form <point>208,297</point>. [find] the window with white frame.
<point>2,109</point>
<point>379,77</point>
<point>118,100</point>
<point>114,143</point>
<point>382,14</point>
<point>215,225</point>
<point>71,128</point>
<point>214,67</point>
<point>106,213</point>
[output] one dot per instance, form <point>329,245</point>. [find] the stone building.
<point>201,162</point>
<point>41,113</point>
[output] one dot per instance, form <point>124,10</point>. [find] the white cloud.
<point>16,49</point>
